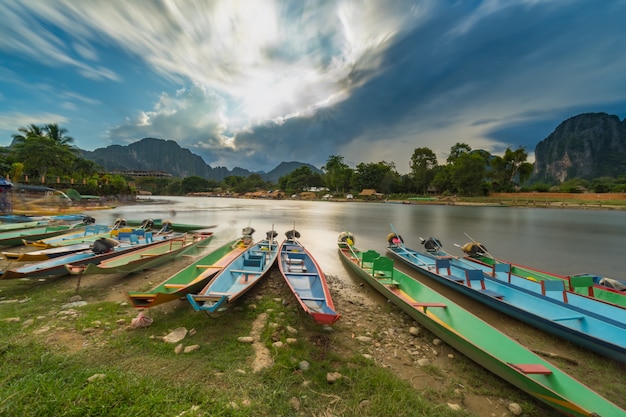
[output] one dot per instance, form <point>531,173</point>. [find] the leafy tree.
<point>194,184</point>
<point>378,176</point>
<point>468,174</point>
<point>457,150</point>
<point>423,163</point>
<point>299,180</point>
<point>337,173</point>
<point>511,169</point>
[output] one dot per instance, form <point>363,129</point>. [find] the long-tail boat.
<point>306,279</point>
<point>591,328</point>
<point>476,339</point>
<point>190,279</point>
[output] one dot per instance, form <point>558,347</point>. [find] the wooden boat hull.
<point>177,227</point>
<point>307,282</point>
<point>87,234</point>
<point>5,227</point>
<point>42,255</point>
<point>17,237</point>
<point>148,257</point>
<point>594,332</point>
<point>478,340</point>
<point>598,292</point>
<point>190,279</point>
<point>237,278</point>
<point>56,266</point>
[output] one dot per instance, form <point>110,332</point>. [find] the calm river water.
<point>564,241</point>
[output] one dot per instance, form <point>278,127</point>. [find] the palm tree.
<point>56,133</point>
<point>30,131</point>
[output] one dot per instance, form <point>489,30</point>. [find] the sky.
<point>252,83</point>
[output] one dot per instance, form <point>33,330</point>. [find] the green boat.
<point>476,339</point>
<point>17,237</point>
<point>584,284</point>
<point>159,224</point>
<point>151,256</point>
<point>190,279</point>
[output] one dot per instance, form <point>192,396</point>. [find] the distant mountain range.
<point>587,146</point>
<point>150,154</point>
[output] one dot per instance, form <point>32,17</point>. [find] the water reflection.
<point>560,240</point>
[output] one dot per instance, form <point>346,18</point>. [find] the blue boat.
<point>56,266</point>
<point>238,277</point>
<point>306,280</point>
<point>474,338</point>
<point>593,331</point>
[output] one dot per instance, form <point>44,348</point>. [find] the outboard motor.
<point>167,227</point>
<point>431,244</point>
<point>292,234</point>
<point>119,222</point>
<point>88,220</point>
<point>247,235</point>
<point>474,249</point>
<point>147,224</point>
<point>271,235</point>
<point>346,238</point>
<point>103,245</point>
<point>394,240</point>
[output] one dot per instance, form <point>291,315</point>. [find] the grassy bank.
<point>60,360</point>
<point>86,361</point>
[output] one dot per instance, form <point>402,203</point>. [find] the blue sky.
<point>251,83</point>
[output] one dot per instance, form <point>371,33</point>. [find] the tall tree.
<point>511,169</point>
<point>423,163</point>
<point>457,150</point>
<point>336,171</point>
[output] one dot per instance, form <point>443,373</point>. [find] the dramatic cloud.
<point>256,82</point>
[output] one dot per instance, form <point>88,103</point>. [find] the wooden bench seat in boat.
<point>444,264</point>
<point>473,275</point>
<point>531,368</point>
<point>548,285</point>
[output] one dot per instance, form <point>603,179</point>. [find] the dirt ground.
<point>366,313</point>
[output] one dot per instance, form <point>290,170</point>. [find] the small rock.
<point>28,323</point>
<point>367,356</point>
<point>414,331</point>
<point>120,322</point>
<point>95,377</point>
<point>75,298</point>
<point>191,348</point>
<point>295,403</point>
<point>42,330</point>
<point>454,407</point>
<point>176,335</point>
<point>252,307</point>
<point>74,304</point>
<point>450,356</point>
<point>292,330</point>
<point>423,362</point>
<point>278,344</point>
<point>515,409</point>
<point>332,377</point>
<point>178,349</point>
<point>245,339</point>
<point>291,340</point>
<point>12,320</point>
<point>192,332</point>
<point>364,339</point>
<point>437,342</point>
<point>304,366</point>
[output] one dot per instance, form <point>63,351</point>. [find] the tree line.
<point>47,151</point>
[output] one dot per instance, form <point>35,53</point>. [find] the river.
<point>564,241</point>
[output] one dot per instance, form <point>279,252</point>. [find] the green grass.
<point>45,374</point>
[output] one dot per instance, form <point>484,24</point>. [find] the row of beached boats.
<point>211,283</point>
<point>590,322</point>
<point>577,308</point>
